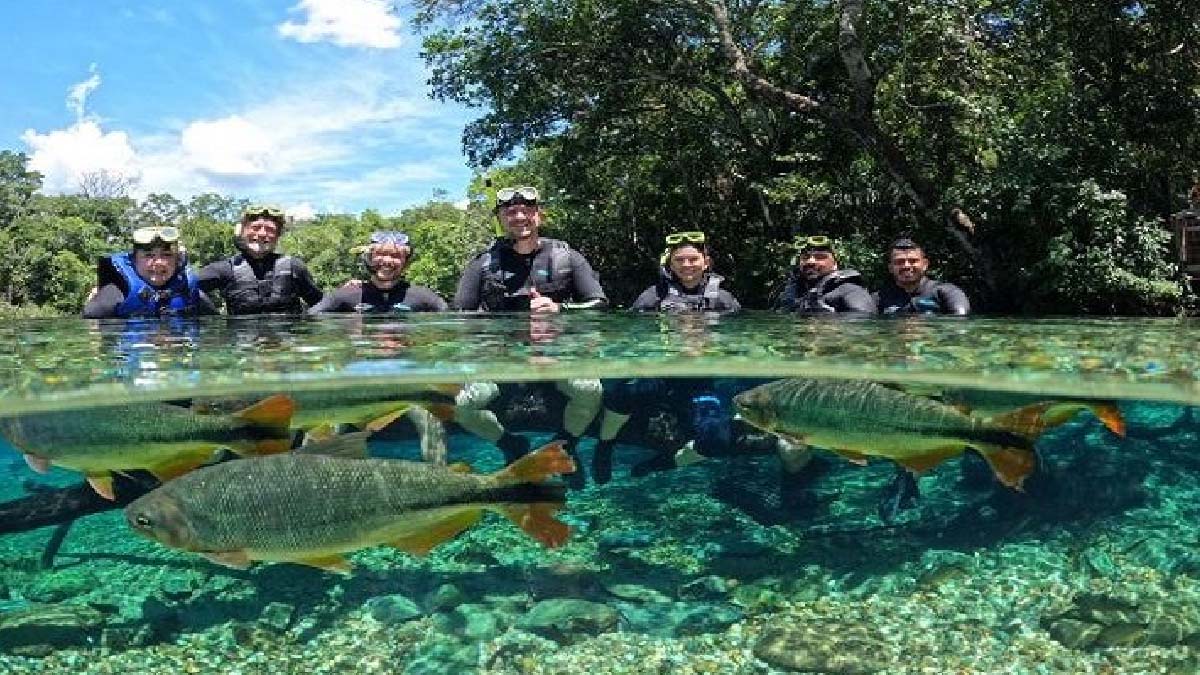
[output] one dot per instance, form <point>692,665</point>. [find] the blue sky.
<point>320,105</point>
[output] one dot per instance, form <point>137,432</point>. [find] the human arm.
<point>466,297</point>
<point>215,276</point>
<point>953,300</point>
<point>103,304</point>
<point>306,286</point>
<point>204,305</point>
<point>648,301</point>
<point>587,292</point>
<point>341,300</point>
<point>853,298</point>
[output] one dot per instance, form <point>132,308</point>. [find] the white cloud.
<point>348,23</point>
<point>301,212</point>
<point>231,146</point>
<point>78,94</point>
<point>64,156</point>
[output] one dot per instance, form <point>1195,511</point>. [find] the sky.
<point>318,105</point>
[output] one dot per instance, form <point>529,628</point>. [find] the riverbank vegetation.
<point>1036,147</point>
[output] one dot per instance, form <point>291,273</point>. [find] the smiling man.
<point>525,272</point>
<point>258,280</point>
<point>911,292</point>
<point>816,285</point>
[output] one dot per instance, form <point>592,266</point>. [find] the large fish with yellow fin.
<point>315,505</point>
<point>166,440</point>
<point>860,419</point>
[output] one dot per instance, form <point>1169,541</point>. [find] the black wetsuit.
<point>369,298</point>
<point>668,295</point>
<point>500,279</point>
<point>272,284</point>
<point>839,291</point>
<point>931,297</point>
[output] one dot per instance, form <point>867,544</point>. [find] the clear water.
<point>711,567</point>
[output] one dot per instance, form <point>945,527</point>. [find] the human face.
<point>521,221</point>
<point>688,264</point>
<point>908,266</point>
<point>388,262</point>
<point>815,263</point>
<point>259,236</point>
<point>156,264</point>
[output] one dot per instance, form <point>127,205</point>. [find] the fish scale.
<point>324,499</point>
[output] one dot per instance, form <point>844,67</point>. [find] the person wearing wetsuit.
<point>686,284</point>
<point>523,272</point>
<point>258,280</point>
<point>686,280</point>
<point>816,285</point>
<point>152,280</point>
<point>911,292</point>
<point>386,257</point>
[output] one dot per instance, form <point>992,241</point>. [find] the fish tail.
<point>1034,420</point>
<point>1012,465</point>
<point>537,520</point>
<point>275,414</point>
<point>1109,415</point>
<point>540,465</point>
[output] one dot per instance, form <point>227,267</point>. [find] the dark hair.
<point>905,243</point>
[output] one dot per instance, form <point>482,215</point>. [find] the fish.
<point>166,440</point>
<point>985,403</point>
<point>372,407</point>
<point>315,505</point>
<point>861,419</point>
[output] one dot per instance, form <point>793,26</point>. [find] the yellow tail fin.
<point>1011,465</point>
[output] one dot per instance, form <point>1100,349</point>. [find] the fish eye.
<point>142,521</point>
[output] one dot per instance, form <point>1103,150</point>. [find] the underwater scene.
<point>600,493</point>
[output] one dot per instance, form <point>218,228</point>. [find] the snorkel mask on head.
<point>260,212</point>
<point>385,238</point>
<point>678,239</point>
<point>165,236</point>
<point>805,243</point>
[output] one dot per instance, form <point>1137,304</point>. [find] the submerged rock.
<point>611,541</point>
<point>842,649</point>
<point>705,588</point>
<point>392,609</point>
<point>673,619</point>
<point>40,630</point>
<point>61,585</point>
<point>568,619</point>
<point>277,615</point>
<point>636,593</point>
<point>444,597</point>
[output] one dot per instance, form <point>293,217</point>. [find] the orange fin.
<point>273,411</point>
<point>460,467</point>
<point>927,461</point>
<point>235,559</point>
<point>177,467</point>
<point>442,411</point>
<point>1011,465</point>
<point>854,457</point>
<point>384,420</point>
<point>1031,420</point>
<point>444,530</point>
<point>538,521</point>
<point>38,464</point>
<point>1110,416</point>
<point>329,563</point>
<point>103,485</point>
<point>540,465</point>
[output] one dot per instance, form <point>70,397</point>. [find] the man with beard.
<point>815,285</point>
<point>911,292</point>
<point>258,280</point>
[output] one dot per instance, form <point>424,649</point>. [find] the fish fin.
<point>103,485</point>
<point>177,467</point>
<point>538,521</point>
<point>346,446</point>
<point>460,467</point>
<point>273,411</point>
<point>442,411</point>
<point>329,563</point>
<point>1011,465</point>
<point>1110,416</point>
<point>383,420</point>
<point>541,464</point>
<point>238,560</point>
<point>1030,420</point>
<point>922,463</point>
<point>322,432</point>
<point>447,388</point>
<point>443,530</point>
<point>38,464</point>
<point>854,457</point>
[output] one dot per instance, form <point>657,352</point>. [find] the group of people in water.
<point>521,271</point>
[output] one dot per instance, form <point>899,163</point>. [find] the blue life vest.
<point>181,295</point>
